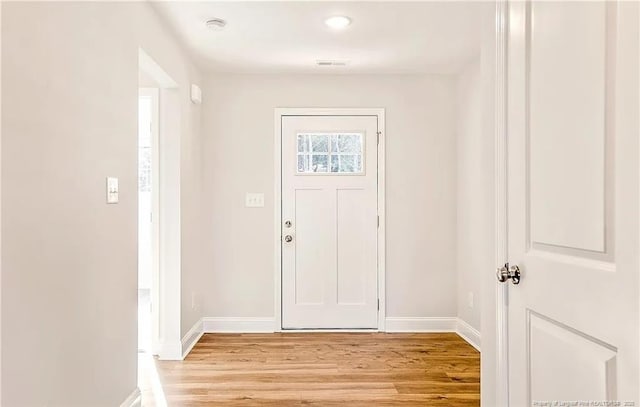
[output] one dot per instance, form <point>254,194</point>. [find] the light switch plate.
<point>254,200</point>
<point>112,190</point>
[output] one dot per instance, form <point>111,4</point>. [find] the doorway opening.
<point>148,242</point>
<point>158,151</point>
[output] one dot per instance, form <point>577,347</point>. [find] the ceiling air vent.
<point>329,62</point>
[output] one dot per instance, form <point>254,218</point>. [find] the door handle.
<point>507,272</point>
<point>288,238</point>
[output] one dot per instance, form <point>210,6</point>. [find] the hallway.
<point>321,369</point>
<point>329,203</point>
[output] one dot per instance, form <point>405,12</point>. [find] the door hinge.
<point>378,304</point>
<point>378,137</point>
<point>378,220</point>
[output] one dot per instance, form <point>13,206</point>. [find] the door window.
<point>330,153</point>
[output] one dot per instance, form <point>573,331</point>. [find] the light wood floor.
<point>322,369</point>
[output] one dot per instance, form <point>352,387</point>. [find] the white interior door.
<point>329,215</point>
<point>573,180</point>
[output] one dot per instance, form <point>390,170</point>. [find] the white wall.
<point>476,228</point>
<point>69,260</point>
<point>474,236</point>
<point>238,126</point>
<point>487,303</point>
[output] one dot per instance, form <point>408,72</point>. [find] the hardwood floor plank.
<point>322,369</point>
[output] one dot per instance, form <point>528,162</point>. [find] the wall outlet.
<point>254,200</point>
<point>470,299</point>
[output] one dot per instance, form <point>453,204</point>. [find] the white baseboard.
<point>266,325</point>
<point>191,338</point>
<point>134,399</point>
<point>223,325</point>
<point>420,324</point>
<point>435,324</point>
<point>237,325</point>
<point>468,333</point>
<point>170,350</point>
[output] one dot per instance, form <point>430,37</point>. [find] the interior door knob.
<point>288,238</point>
<point>507,272</point>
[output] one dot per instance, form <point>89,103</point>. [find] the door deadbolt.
<point>287,224</point>
<point>507,272</point>
<point>288,238</point>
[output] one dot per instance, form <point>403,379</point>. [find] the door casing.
<point>154,95</point>
<point>169,345</point>
<point>279,113</point>
<point>501,379</point>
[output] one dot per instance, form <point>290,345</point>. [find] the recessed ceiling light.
<point>216,24</point>
<point>338,22</point>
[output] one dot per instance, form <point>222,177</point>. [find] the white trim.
<point>277,215</point>
<point>468,333</point>
<point>237,325</point>
<point>435,324</point>
<point>133,400</point>
<point>154,95</point>
<point>421,324</point>
<point>382,229</point>
<point>170,350</point>
<point>278,113</point>
<point>331,330</point>
<point>265,325</point>
<point>501,225</point>
<point>169,268</point>
<point>192,337</point>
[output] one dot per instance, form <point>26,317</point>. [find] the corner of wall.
<point>192,337</point>
<point>133,400</point>
<point>468,333</point>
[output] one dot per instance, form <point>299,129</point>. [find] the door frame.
<point>154,95</point>
<point>379,113</point>
<point>169,345</point>
<point>500,293</point>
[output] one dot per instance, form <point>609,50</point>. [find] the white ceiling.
<point>289,37</point>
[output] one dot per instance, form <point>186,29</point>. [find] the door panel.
<point>587,363</point>
<point>573,205</point>
<point>310,252</point>
<point>567,51</point>
<point>329,194</point>
<point>355,236</point>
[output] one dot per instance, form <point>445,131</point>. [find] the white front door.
<point>329,222</point>
<point>573,180</point>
